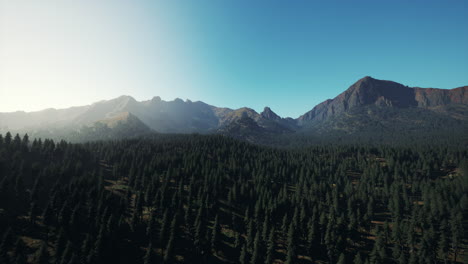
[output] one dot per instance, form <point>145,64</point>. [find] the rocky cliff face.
<point>370,91</point>
<point>430,97</point>
<point>269,114</point>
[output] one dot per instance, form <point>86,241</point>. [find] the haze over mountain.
<point>369,105</point>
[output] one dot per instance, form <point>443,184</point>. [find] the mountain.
<point>377,110</point>
<point>370,108</point>
<point>269,114</point>
<point>154,115</point>
<point>369,91</point>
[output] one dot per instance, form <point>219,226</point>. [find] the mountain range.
<point>369,108</point>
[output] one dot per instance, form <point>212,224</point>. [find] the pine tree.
<point>291,256</point>
<point>42,254</point>
<point>238,241</point>
<point>4,258</point>
<point>250,236</point>
<point>310,237</point>
<point>378,254</point>
<point>270,255</point>
<point>85,248</point>
<point>60,244</point>
<point>215,234</point>
<point>151,228</point>
<point>285,225</point>
<point>244,257</point>
<point>402,258</point>
<point>164,226</point>
<point>256,250</point>
<point>7,138</point>
<point>265,229</point>
<point>341,259</point>
<point>457,232</point>
<point>5,246</point>
<point>47,214</point>
<point>20,252</point>
<point>168,256</point>
<point>73,259</point>
<point>67,254</point>
<point>443,247</point>
<point>396,251</point>
<point>358,259</point>
<point>149,256</point>
<point>17,141</point>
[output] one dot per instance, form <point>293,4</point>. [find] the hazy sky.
<point>289,55</point>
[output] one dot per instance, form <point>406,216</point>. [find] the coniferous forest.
<point>213,199</point>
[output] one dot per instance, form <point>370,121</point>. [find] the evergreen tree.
<point>73,259</point>
<point>60,244</point>
<point>20,252</point>
<point>149,256</point>
<point>270,255</point>
<point>256,250</point>
<point>42,255</point>
<point>358,259</point>
<point>67,254</point>
<point>168,256</point>
<point>5,246</point>
<point>215,234</point>
<point>244,257</point>
<point>291,256</point>
<point>238,241</point>
<point>341,259</point>
<point>378,254</point>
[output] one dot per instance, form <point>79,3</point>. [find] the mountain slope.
<point>369,91</point>
<point>383,111</point>
<point>175,116</point>
<point>369,108</point>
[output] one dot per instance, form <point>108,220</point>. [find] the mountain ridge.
<point>367,91</point>
<point>355,104</point>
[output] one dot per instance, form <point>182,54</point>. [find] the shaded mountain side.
<point>122,125</point>
<point>268,122</point>
<point>370,91</point>
<point>374,124</point>
<point>178,116</point>
<point>269,114</point>
<point>246,128</point>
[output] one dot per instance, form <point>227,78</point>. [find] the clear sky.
<point>289,55</point>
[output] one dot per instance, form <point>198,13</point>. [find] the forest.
<point>214,199</point>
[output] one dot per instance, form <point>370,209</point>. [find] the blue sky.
<point>289,55</point>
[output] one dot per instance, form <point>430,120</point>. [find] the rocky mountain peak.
<point>372,91</point>
<point>269,114</point>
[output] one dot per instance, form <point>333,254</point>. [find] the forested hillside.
<point>212,199</point>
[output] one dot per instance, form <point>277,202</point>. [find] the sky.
<point>288,55</point>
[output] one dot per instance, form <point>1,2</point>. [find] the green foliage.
<point>166,198</point>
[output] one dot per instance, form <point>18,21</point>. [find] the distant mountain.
<point>154,115</point>
<point>370,108</point>
<point>368,91</point>
<point>376,110</point>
